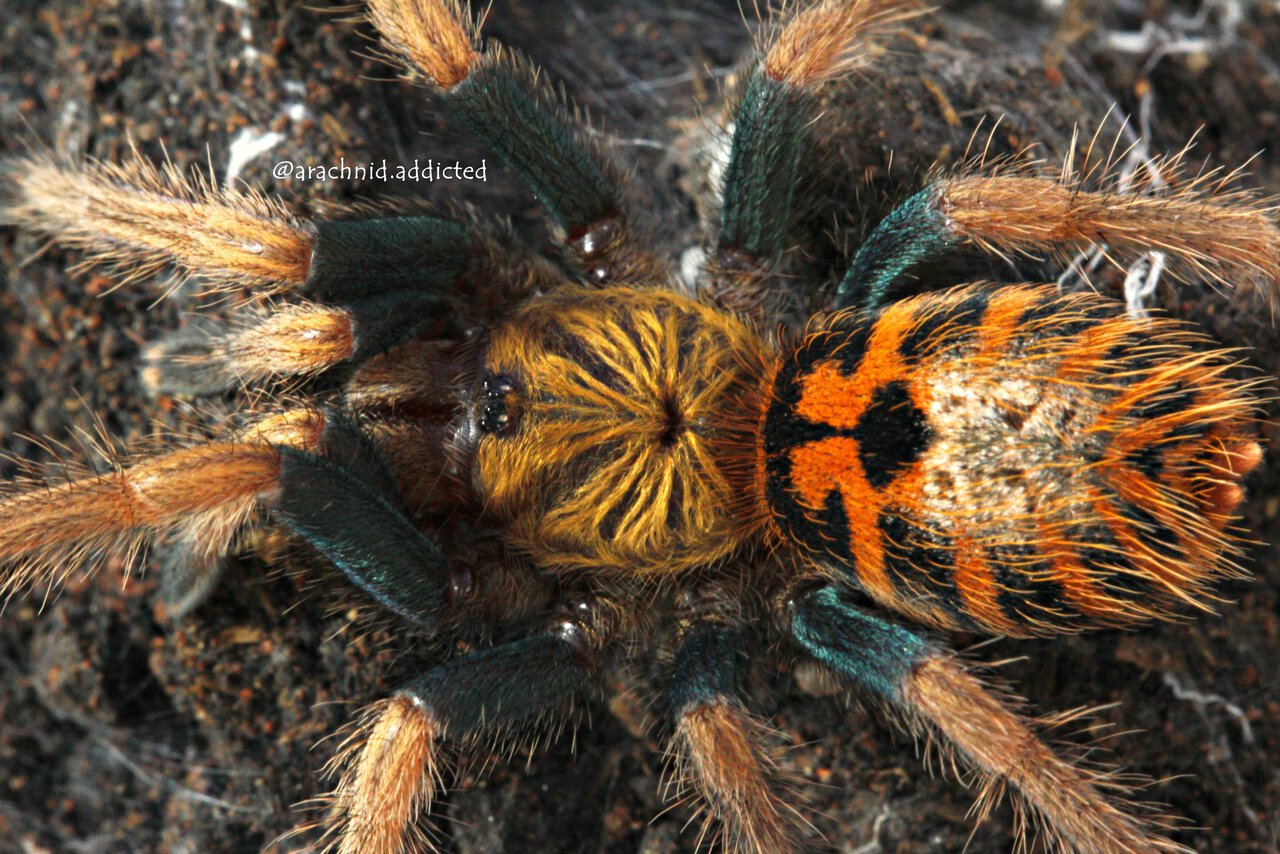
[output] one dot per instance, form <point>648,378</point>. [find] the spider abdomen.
<point>1010,460</point>
<point>633,448</point>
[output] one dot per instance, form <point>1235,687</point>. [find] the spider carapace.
<point>630,447</point>
<point>672,476</point>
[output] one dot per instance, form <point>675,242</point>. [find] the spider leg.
<point>937,696</point>
<point>355,497</point>
<point>818,44</point>
<point>356,521</point>
<point>389,276</point>
<point>500,99</point>
<point>717,748</point>
<point>207,491</point>
<point>915,231</point>
<point>300,339</point>
<point>1215,232</point>
<point>353,259</point>
<point>139,219</point>
<point>393,765</point>
<point>350,514</point>
<point>353,326</point>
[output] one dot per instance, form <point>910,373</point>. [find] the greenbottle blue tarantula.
<point>665,467</point>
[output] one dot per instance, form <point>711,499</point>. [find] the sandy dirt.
<point>120,731</point>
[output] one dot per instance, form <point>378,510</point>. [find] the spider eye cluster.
<point>499,405</point>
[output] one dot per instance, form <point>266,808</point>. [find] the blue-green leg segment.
<point>874,653</point>
<point>345,445</point>
<point>503,103</point>
<point>196,360</point>
<point>514,682</point>
<point>355,259</point>
<point>759,182</point>
<point>505,685</point>
<point>722,753</point>
<point>759,185</point>
<point>564,173</point>
<point>381,322</point>
<point>357,522</point>
<point>709,666</point>
<point>938,698</point>
<point>392,276</point>
<point>913,233</point>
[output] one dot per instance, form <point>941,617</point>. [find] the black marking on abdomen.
<point>1148,460</point>
<point>1151,532</point>
<point>835,521</point>
<point>1179,397</point>
<point>1102,558</point>
<point>793,518</point>
<point>892,433</point>
<point>1050,315</point>
<point>959,320</point>
<point>922,565</point>
<point>1021,575</point>
<point>1128,362</point>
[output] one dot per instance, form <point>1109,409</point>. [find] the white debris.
<point>692,261</point>
<point>249,144</point>
<point>1189,693</point>
<point>1141,281</point>
<point>250,53</point>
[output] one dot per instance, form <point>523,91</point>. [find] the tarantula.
<point>663,467</point>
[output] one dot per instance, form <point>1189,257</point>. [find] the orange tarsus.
<point>203,494</point>
<point>139,218</point>
<point>717,757</point>
<point>392,772</point>
<point>1003,749</point>
<point>294,339</point>
<point>828,39</point>
<point>146,494</point>
<point>436,35</point>
<point>1215,234</point>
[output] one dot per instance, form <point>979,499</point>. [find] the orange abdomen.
<point>1009,459</point>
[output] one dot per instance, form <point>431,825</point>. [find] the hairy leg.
<point>377,281</point>
<point>392,765</point>
<point>206,491</point>
<point>501,99</point>
<point>321,476</point>
<point>1223,235</point>
<point>295,340</point>
<point>719,749</point>
<point>346,505</point>
<point>819,43</point>
<point>138,219</point>
<point>932,690</point>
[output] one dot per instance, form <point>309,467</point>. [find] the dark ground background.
<point>120,732</point>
